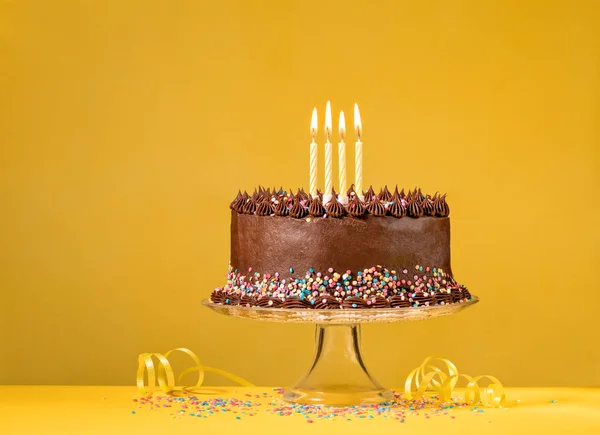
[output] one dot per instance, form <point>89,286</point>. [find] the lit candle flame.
<point>357,123</point>
<point>328,122</point>
<point>342,125</point>
<point>314,127</point>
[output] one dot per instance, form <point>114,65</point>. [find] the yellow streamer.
<point>165,376</point>
<point>428,378</point>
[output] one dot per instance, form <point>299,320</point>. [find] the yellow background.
<point>127,128</point>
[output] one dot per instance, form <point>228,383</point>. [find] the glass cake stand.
<point>338,374</point>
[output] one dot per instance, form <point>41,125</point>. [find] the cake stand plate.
<point>338,375</point>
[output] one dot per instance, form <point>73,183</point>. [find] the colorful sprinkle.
<point>251,405</point>
<point>311,287</point>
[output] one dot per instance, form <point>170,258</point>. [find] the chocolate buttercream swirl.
<point>265,208</point>
<point>236,199</point>
<point>376,208</point>
<point>256,195</point>
<point>356,207</point>
<point>269,202</point>
<point>268,302</point>
<point>466,294</point>
<point>351,193</point>
<point>217,297</point>
<point>231,299</point>
<point>335,209</point>
<point>297,211</point>
<point>427,206</point>
<point>248,301</point>
<point>326,302</point>
<point>334,194</point>
<point>281,209</point>
<point>302,195</point>
<point>266,193</point>
<point>316,208</point>
<point>354,303</point>
<point>396,208</point>
<point>296,304</point>
<point>420,299</point>
<point>443,297</point>
<point>414,209</point>
<point>384,194</point>
<point>239,203</point>
<point>379,302</point>
<point>250,207</point>
<point>456,293</point>
<point>399,301</point>
<point>369,195</point>
<point>441,206</point>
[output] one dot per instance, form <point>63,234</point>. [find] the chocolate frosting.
<point>265,208</point>
<point>414,209</point>
<point>423,298</point>
<point>217,297</point>
<point>354,303</point>
<point>297,211</point>
<point>441,206</point>
<point>239,203</point>
<point>281,209</point>
<point>231,299</point>
<point>356,207</point>
<point>384,194</point>
<point>465,293</point>
<point>399,301</point>
<point>248,301</point>
<point>379,302</point>
<point>271,244</point>
<point>302,195</point>
<point>396,208</point>
<point>316,208</point>
<point>369,195</point>
<point>335,209</point>
<point>295,303</point>
<point>250,207</point>
<point>443,297</point>
<point>351,192</point>
<point>456,293</point>
<point>427,206</point>
<point>268,302</point>
<point>278,202</point>
<point>237,198</point>
<point>326,302</point>
<point>376,208</point>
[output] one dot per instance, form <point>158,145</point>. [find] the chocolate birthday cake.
<point>374,250</point>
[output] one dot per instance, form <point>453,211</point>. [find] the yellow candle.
<point>342,158</point>
<point>358,157</point>
<point>313,155</point>
<point>328,156</point>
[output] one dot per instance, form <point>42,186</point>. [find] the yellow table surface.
<point>108,410</point>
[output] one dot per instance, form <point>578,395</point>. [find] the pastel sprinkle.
<point>313,286</point>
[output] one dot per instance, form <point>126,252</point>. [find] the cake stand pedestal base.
<point>338,375</point>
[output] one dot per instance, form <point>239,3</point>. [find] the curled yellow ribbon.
<point>428,378</point>
<point>165,376</point>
